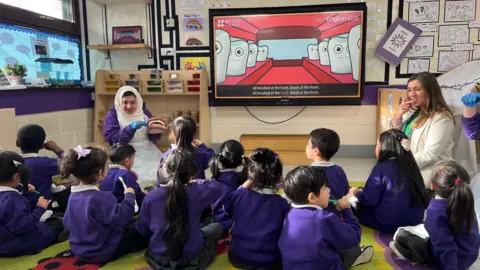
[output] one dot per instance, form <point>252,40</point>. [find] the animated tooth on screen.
<point>237,62</point>
<point>313,52</point>
<point>339,55</point>
<point>323,52</point>
<point>222,51</point>
<point>252,55</point>
<point>262,53</point>
<point>354,48</point>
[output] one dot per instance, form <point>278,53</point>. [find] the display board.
<point>450,35</point>
<point>192,32</point>
<point>389,100</point>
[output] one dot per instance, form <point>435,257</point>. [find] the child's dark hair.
<point>230,156</point>
<point>303,180</point>
<point>409,174</point>
<point>451,181</point>
<point>128,94</point>
<point>185,129</point>
<point>10,164</point>
<point>264,168</point>
<point>120,151</point>
<point>85,168</point>
<point>326,140</point>
<point>176,171</point>
<point>30,138</point>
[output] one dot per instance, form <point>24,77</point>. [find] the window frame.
<point>25,18</point>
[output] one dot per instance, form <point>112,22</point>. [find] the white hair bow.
<point>81,152</point>
<point>16,163</point>
<point>405,144</point>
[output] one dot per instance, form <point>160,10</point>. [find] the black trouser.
<point>349,256</point>
<point>60,201</point>
<point>414,248</point>
<point>212,233</point>
<point>131,241</point>
<point>233,258</point>
<point>55,223</point>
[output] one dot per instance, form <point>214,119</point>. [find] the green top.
<point>408,127</point>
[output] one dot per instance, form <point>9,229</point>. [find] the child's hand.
<point>31,188</point>
<point>354,191</point>
<point>343,204</point>
<point>43,203</point>
<point>129,190</point>
<point>52,146</point>
<point>247,184</point>
<point>196,143</point>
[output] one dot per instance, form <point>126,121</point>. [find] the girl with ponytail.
<point>21,231</point>
<point>224,167</point>
<point>182,135</point>
<point>170,216</point>
<point>453,238</point>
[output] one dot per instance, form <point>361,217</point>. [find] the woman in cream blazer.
<point>428,122</point>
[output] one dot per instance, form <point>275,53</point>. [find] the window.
<point>59,9</point>
<point>45,55</point>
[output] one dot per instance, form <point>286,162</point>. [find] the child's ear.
<point>311,197</point>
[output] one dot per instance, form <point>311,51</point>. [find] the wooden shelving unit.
<point>161,104</point>
<point>119,47</point>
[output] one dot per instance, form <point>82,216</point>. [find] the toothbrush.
<point>33,191</point>
<point>333,201</point>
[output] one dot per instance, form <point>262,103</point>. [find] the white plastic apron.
<point>147,158</point>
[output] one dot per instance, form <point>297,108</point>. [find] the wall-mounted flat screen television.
<point>305,55</point>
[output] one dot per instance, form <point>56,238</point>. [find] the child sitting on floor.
<point>30,140</point>
<point>224,168</point>
<point>120,177</point>
<point>258,213</point>
<point>322,145</point>
<point>170,217</point>
<point>21,231</point>
<point>394,194</point>
<point>313,238</point>
<point>450,237</point>
<point>95,219</point>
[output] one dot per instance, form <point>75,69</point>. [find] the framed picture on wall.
<point>195,61</point>
<point>127,35</point>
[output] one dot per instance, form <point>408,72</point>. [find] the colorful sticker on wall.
<point>196,63</point>
<point>193,42</point>
<point>193,22</point>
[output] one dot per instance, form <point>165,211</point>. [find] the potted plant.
<point>15,72</point>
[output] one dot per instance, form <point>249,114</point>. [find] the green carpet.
<point>137,261</point>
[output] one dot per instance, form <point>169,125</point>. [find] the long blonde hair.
<point>434,101</point>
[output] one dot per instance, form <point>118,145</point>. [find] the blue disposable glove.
<point>471,100</point>
<point>137,125</point>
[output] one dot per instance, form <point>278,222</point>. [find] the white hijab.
<point>125,119</point>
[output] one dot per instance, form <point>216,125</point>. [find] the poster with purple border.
<point>395,43</point>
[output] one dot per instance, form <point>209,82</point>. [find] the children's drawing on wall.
<point>448,60</point>
<point>459,11</point>
<point>420,12</point>
<point>195,63</point>
<point>283,49</point>
<point>398,41</point>
<point>193,41</point>
<point>422,47</point>
<point>450,34</point>
<point>193,22</point>
<point>418,65</point>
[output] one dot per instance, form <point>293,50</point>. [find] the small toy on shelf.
<point>174,84</point>
<point>155,84</point>
<point>133,81</point>
<point>193,85</point>
<point>112,83</point>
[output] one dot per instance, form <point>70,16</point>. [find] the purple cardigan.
<point>113,134</point>
<point>471,127</point>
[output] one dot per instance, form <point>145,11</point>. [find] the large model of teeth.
<point>156,125</point>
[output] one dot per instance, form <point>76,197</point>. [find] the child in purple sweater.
<point>313,238</point>
<point>450,239</point>
<point>97,222</point>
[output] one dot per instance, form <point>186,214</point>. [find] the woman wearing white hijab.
<point>126,122</point>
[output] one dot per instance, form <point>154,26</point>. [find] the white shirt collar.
<point>116,166</point>
<point>4,189</point>
<point>323,163</point>
<point>81,188</point>
<point>438,197</point>
<point>306,206</point>
<point>229,170</point>
<point>267,191</point>
<point>27,155</point>
<point>173,146</point>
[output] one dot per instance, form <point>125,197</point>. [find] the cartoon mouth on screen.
<point>307,50</point>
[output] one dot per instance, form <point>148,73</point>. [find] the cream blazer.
<point>431,143</point>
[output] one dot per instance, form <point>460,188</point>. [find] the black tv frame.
<point>286,101</point>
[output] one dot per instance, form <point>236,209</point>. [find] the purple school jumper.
<point>258,217</point>
<point>42,170</point>
<point>471,127</point>
<point>229,179</point>
<point>312,237</point>
<point>382,207</point>
<point>203,154</point>
<point>112,183</point>
<point>451,251</point>
<point>113,134</point>
<point>336,180</point>
<point>21,231</point>
<point>152,221</point>
<point>96,221</point>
